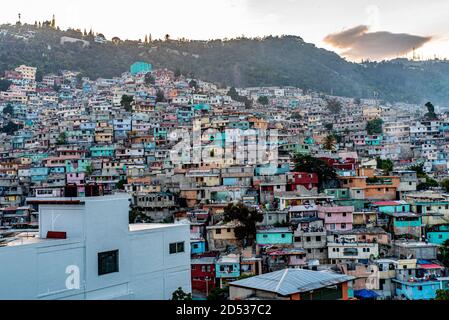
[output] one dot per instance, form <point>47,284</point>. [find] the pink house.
<point>77,179</point>
<point>336,217</point>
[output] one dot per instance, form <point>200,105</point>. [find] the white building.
<point>100,256</point>
<point>28,73</point>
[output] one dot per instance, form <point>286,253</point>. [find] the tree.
<point>442,295</point>
<point>429,183</point>
<point>309,164</point>
<point>431,115</point>
<point>150,79</point>
<point>9,110</point>
<point>180,295</point>
<point>263,100</point>
<point>62,138</point>
<point>5,84</point>
<point>444,254</point>
<point>218,294</point>
<point>247,218</point>
<point>374,127</point>
<point>445,185</point>
<point>10,128</point>
<point>419,169</point>
<point>160,96</point>
<point>329,126</point>
<point>193,84</point>
<point>121,185</point>
<point>127,102</point>
<point>334,106</point>
<point>385,165</point>
<point>330,142</point>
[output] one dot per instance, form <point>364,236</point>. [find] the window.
<point>218,231</point>
<point>283,235</point>
<point>308,239</point>
<point>419,288</point>
<point>343,225</point>
<point>318,239</point>
<point>329,215</point>
<point>309,250</point>
<point>177,247</point>
<point>344,214</point>
<point>108,262</point>
<point>228,230</point>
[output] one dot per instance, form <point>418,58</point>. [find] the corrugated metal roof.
<point>290,281</point>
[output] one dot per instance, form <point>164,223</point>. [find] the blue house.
<point>421,283</point>
<point>227,267</point>
<point>140,67</point>
<point>197,246</point>
<point>278,236</point>
<point>438,234</point>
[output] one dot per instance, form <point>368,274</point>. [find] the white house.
<point>97,254</point>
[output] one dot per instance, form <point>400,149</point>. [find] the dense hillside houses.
<point>228,187</point>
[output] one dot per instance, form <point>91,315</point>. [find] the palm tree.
<point>330,142</point>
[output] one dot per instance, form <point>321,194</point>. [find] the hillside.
<point>277,61</point>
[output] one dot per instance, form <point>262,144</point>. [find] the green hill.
<point>277,61</point>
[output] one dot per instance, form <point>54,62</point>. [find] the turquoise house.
<point>279,236</point>
<point>272,169</point>
<point>373,140</point>
<point>227,267</point>
<point>102,151</point>
<point>140,67</point>
<point>426,290</point>
<point>77,166</point>
<point>338,194</point>
<point>438,234</point>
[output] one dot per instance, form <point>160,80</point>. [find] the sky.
<point>356,29</point>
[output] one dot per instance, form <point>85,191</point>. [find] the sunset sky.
<point>357,29</point>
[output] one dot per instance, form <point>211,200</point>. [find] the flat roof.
<point>136,227</point>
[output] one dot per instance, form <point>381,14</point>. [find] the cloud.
<point>358,43</point>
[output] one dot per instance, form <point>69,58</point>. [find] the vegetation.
<point>137,216</point>
<point>385,165</point>
<point>272,60</point>
<point>218,294</point>
<point>309,164</point>
<point>419,169</point>
<point>10,128</point>
<point>444,254</point>
<point>9,110</point>
<point>442,295</point>
<point>334,106</point>
<point>445,185</point>
<point>236,97</point>
<point>430,115</point>
<point>330,142</point>
<point>62,139</point>
<point>160,96</point>
<point>374,127</point>
<point>4,85</point>
<point>127,102</point>
<point>180,295</point>
<point>263,100</point>
<point>150,79</point>
<point>428,184</point>
<point>247,218</point>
